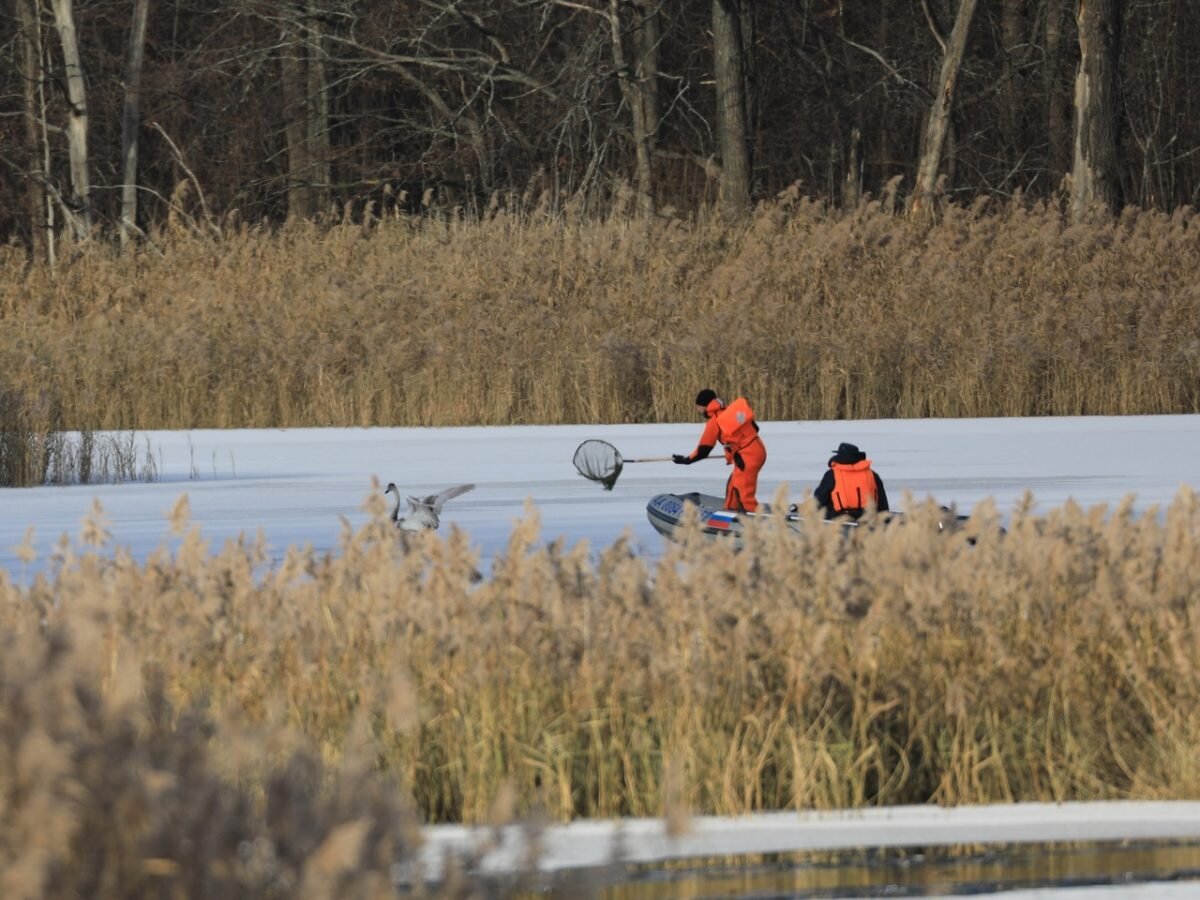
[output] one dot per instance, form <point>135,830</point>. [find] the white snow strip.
<point>592,843</point>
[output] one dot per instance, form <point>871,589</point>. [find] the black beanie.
<point>705,397</point>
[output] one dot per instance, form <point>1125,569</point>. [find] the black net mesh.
<point>599,461</point>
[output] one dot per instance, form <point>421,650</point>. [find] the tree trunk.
<point>131,119</point>
<point>752,115</point>
<point>1014,27</point>
<point>728,71</point>
<point>632,91</point>
<point>1095,173</point>
<point>31,82</point>
<point>649,39</point>
<point>306,110</point>
<point>317,119</point>
<point>1058,115</point>
<point>852,188</point>
<point>943,103</point>
<point>79,211</point>
<point>883,133</point>
<point>294,85</point>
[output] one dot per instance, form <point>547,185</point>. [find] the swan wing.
<point>439,500</point>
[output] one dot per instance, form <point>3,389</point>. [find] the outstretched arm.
<point>700,452</point>
<point>708,440</point>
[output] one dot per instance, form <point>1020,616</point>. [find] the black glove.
<point>739,462</point>
<point>680,460</point>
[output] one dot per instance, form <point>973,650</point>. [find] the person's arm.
<point>708,440</point>
<point>824,491</point>
<point>881,503</point>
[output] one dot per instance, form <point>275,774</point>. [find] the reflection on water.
<point>890,873</point>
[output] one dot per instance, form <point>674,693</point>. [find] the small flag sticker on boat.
<point>721,520</point>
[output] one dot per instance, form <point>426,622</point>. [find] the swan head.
<point>392,489</point>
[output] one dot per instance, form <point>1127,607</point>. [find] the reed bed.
<point>388,683</point>
<point>534,317</point>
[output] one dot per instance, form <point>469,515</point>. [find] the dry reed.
<point>1057,662</point>
<point>538,318</point>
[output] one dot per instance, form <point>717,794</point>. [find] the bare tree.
<point>30,35</point>
<point>632,78</point>
<point>296,109</point>
<point>647,38</point>
<point>852,187</point>
<point>317,107</point>
<point>1095,176</point>
<point>943,103</point>
<point>79,209</point>
<point>648,41</point>
<point>131,119</point>
<point>1014,33</point>
<point>305,90</point>
<point>1055,74</point>
<point>634,39</point>
<point>729,74</point>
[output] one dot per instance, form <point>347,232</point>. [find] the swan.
<point>423,512</point>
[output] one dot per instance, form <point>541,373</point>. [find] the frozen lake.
<point>296,484</point>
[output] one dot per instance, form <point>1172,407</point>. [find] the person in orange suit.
<point>734,426</point>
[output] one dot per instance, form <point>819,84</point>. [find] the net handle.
<point>608,467</point>
<point>665,459</point>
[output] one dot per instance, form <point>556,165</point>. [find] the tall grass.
<point>109,792</point>
<point>33,451</point>
<point>1057,662</point>
<point>531,317</point>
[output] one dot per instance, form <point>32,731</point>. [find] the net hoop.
<point>600,461</point>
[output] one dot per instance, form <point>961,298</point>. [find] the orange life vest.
<point>853,486</point>
<point>736,424</point>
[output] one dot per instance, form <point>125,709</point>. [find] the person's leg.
<point>743,485</point>
<point>744,480</point>
<point>733,497</point>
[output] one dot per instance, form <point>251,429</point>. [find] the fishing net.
<point>599,461</point>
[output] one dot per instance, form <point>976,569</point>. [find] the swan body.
<point>423,512</point>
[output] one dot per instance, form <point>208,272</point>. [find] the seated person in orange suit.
<point>850,487</point>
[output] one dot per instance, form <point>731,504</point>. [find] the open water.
<point>894,873</point>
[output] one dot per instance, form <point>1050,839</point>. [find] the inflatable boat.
<point>666,512</point>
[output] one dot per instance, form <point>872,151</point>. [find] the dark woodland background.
<point>265,110</point>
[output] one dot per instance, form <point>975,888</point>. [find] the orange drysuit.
<point>735,428</point>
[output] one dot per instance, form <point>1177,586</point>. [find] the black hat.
<point>847,454</point>
<point>705,397</point>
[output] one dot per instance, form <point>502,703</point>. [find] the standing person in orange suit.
<point>735,427</point>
